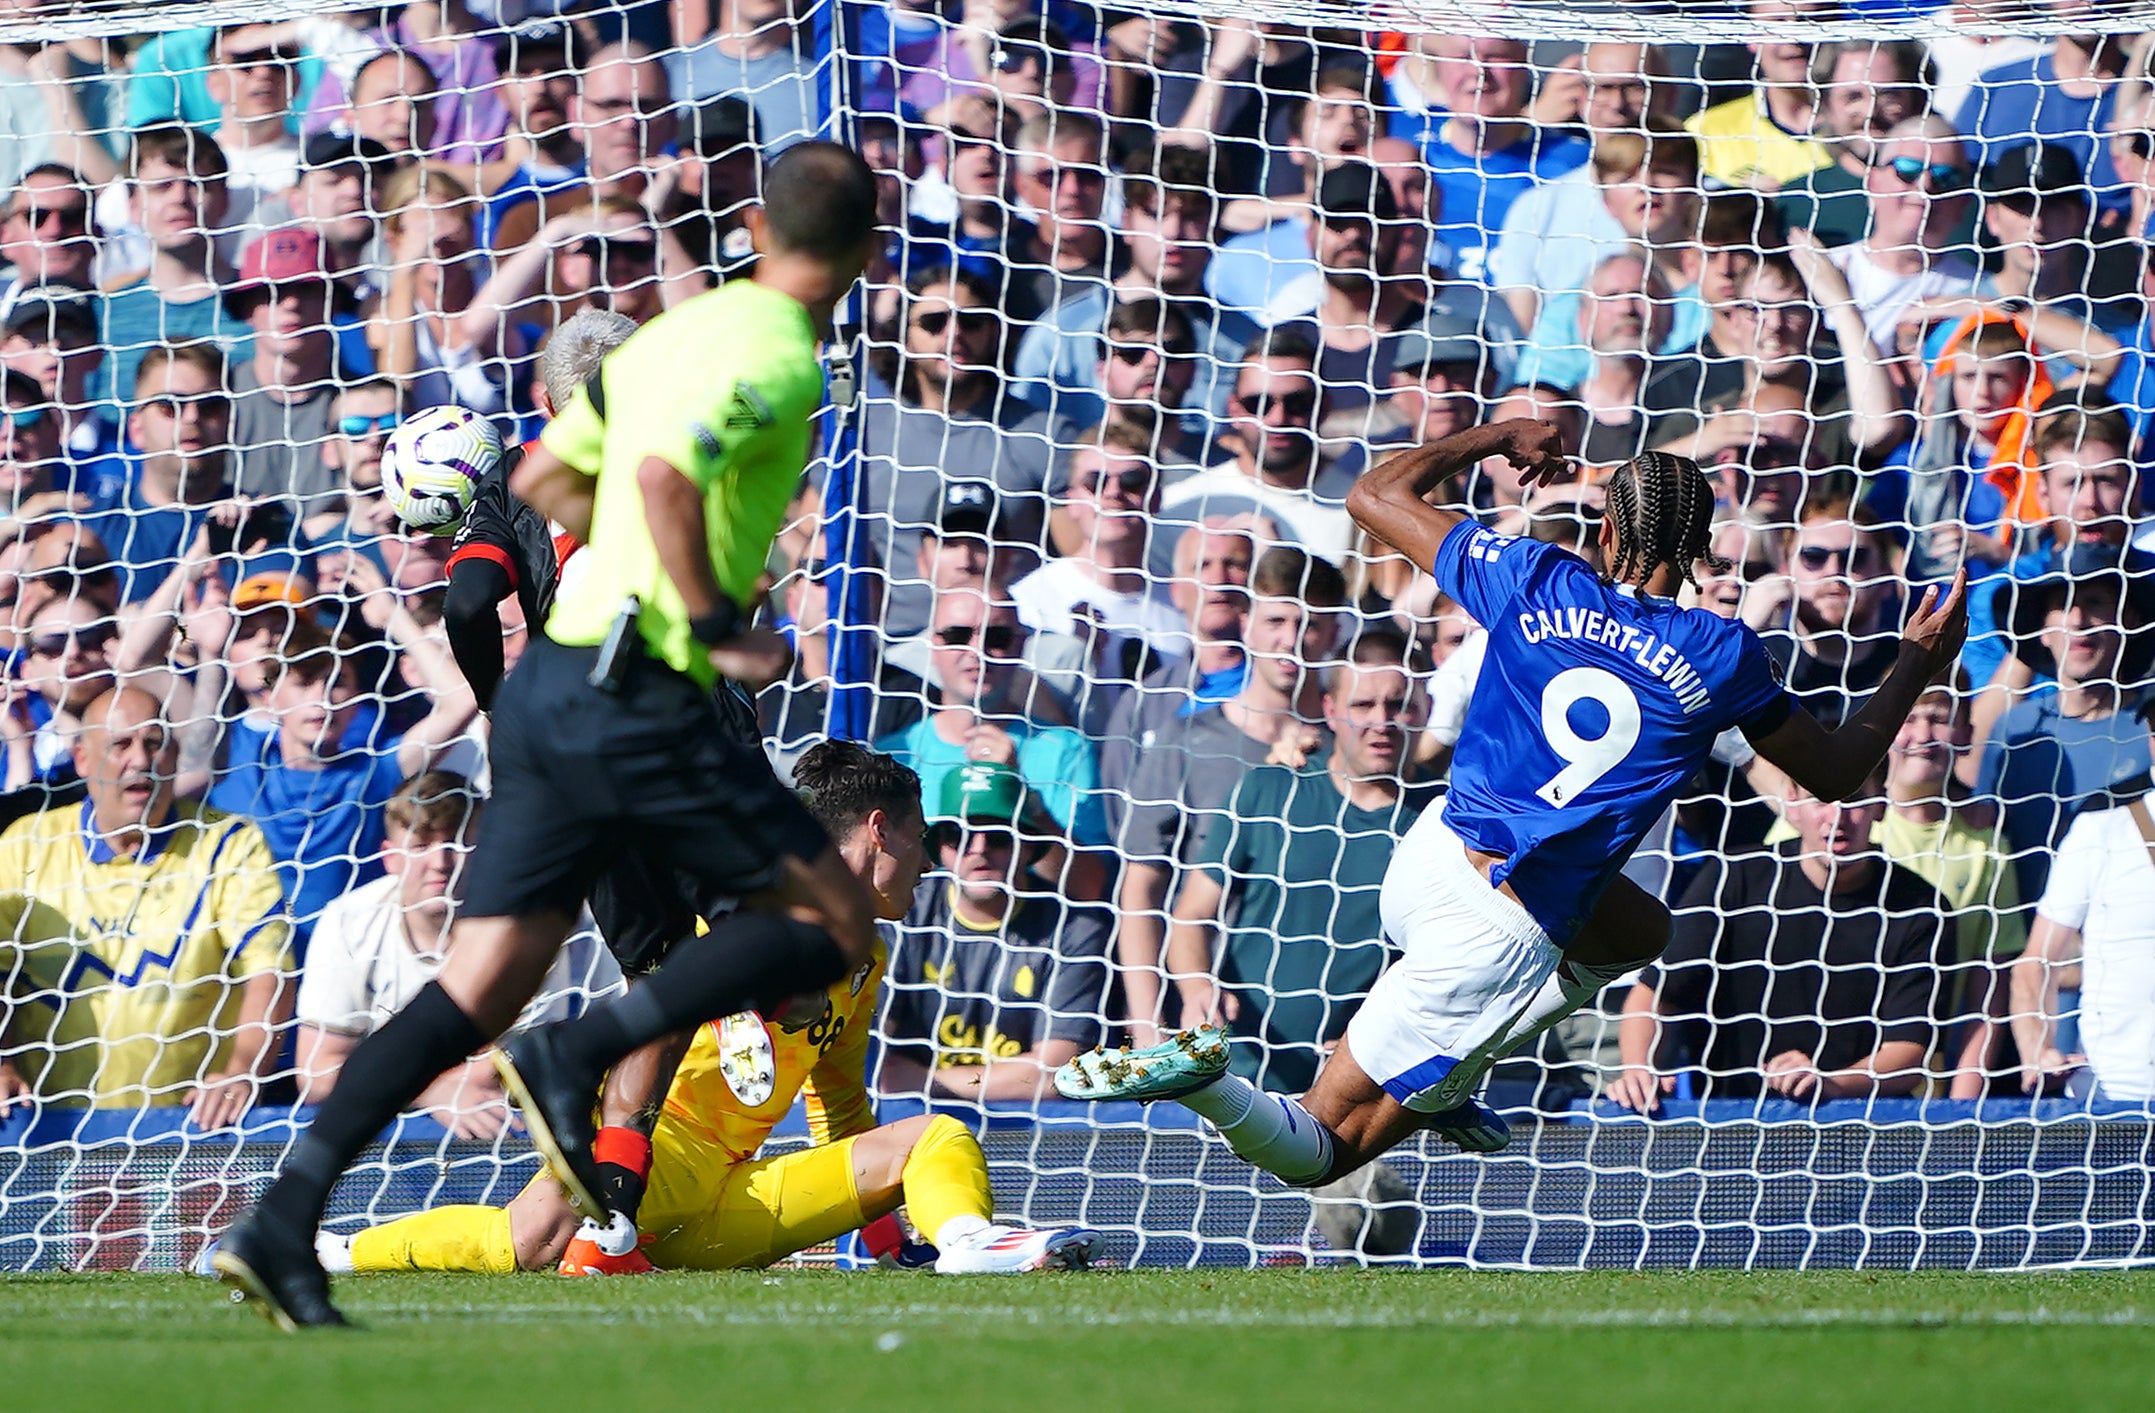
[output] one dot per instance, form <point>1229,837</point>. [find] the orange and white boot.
<point>610,1250</point>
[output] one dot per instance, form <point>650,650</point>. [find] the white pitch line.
<point>1249,1317</point>
<point>794,1313</point>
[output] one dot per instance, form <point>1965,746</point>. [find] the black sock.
<point>621,1190</point>
<point>746,959</point>
<point>384,1074</point>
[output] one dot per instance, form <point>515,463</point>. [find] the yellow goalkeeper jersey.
<point>742,1074</point>
<point>125,973</point>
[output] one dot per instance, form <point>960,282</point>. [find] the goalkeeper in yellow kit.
<point>712,1204</point>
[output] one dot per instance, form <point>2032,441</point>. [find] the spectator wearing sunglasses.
<point>994,980</point>
<point>949,416</point>
<point>362,417</point>
<point>1840,634</point>
<point>50,338</point>
<point>64,664</point>
<point>1099,592</point>
<point>283,395</point>
<point>254,77</point>
<point>1866,88</point>
<point>1918,188</point>
<point>1275,466</point>
<point>180,430</point>
<point>988,708</point>
<point>47,234</point>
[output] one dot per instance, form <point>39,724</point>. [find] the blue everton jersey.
<point>1594,706</point>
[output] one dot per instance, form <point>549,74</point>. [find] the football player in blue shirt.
<point>1600,698</point>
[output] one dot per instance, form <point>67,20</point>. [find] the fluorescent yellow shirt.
<point>721,388</point>
<point>1739,140</point>
<point>128,971</point>
<point>742,1074</point>
<point>1966,867</point>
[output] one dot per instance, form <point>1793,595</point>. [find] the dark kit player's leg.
<point>537,829</point>
<point>643,907</point>
<point>687,794</point>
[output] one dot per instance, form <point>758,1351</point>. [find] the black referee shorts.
<point>642,905</point>
<point>647,789</point>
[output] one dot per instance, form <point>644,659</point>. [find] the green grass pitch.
<point>811,1340</point>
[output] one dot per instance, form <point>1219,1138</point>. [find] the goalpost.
<point>1545,282</point>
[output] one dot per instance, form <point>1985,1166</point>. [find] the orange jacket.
<point>2012,466</point>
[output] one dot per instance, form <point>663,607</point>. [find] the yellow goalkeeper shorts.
<point>706,1212</point>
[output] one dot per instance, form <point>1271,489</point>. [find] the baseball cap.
<point>721,125</point>
<point>969,508</point>
<point>1436,343</point>
<point>2036,172</point>
<point>262,590</point>
<point>291,255</point>
<point>334,149</point>
<point>47,311</point>
<point>1356,189</point>
<point>983,791</point>
<point>548,44</point>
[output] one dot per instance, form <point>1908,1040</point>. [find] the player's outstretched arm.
<point>1391,499</point>
<point>1833,765</point>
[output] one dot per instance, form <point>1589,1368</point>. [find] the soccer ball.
<point>433,464</point>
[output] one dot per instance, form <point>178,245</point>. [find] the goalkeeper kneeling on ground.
<point>712,1204</point>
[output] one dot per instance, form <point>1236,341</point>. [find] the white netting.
<point>1187,313</point>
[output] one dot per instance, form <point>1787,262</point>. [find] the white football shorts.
<point>1471,960</point>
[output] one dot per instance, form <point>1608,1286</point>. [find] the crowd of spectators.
<point>1150,296</point>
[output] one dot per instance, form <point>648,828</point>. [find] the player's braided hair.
<point>1662,507</point>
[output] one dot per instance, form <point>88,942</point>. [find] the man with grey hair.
<point>573,353</point>
<point>505,547</point>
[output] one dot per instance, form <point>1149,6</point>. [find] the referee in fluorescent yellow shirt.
<point>674,466</point>
<point>148,939</point>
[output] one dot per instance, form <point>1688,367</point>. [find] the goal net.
<point>1154,287</point>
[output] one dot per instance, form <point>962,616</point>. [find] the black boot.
<point>265,1260</point>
